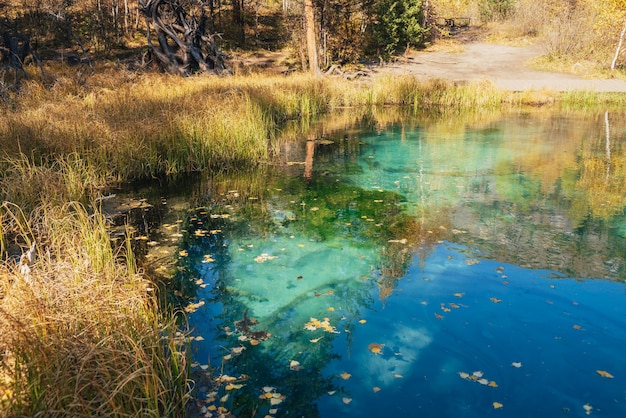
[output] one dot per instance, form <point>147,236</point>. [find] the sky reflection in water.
<point>449,266</point>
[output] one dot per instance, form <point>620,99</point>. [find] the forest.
<point>187,36</point>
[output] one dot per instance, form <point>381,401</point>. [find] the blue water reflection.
<point>414,272</point>
<point>559,332</point>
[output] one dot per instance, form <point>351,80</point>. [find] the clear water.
<point>427,269</point>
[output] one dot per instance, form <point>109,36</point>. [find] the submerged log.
<point>182,45</point>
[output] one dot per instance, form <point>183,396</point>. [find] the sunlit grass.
<point>81,334</point>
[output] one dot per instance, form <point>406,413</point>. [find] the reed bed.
<point>81,332</point>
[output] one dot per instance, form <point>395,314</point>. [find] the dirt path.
<point>505,66</point>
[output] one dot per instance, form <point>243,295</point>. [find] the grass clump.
<point>80,332</point>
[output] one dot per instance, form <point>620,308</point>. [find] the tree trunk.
<point>309,17</point>
<point>619,46</point>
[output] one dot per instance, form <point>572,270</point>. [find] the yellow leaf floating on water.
<point>516,364</point>
<point>398,376</point>
<point>345,375</point>
<point>208,259</point>
<point>232,386</point>
<point>264,257</point>
<point>495,300</point>
<point>315,340</point>
<point>604,373</point>
<point>275,401</point>
<point>587,408</point>
<point>376,389</point>
<point>346,400</point>
<point>331,309</point>
<point>295,365</point>
<point>254,342</point>
<point>464,375</point>
<point>315,324</point>
<point>362,321</point>
<point>497,405</point>
<point>493,384</point>
<point>376,348</point>
<point>577,327</point>
<point>459,295</point>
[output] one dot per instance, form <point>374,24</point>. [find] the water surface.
<point>431,267</point>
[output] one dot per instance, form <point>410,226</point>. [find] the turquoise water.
<point>414,271</point>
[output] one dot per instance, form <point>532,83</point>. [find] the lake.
<point>434,266</point>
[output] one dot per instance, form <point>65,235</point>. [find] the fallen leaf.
<point>587,408</point>
<point>332,392</point>
<point>362,321</point>
<point>604,373</point>
<point>331,309</point>
<point>464,375</point>
<point>398,376</point>
<point>459,295</point>
<point>376,348</point>
<point>438,316</point>
<point>483,381</point>
<point>493,384</point>
<point>345,376</point>
<point>576,326</point>
<point>477,374</point>
<point>232,386</point>
<point>267,389</point>
<point>376,389</point>
<point>497,405</point>
<point>254,342</point>
<point>295,365</point>
<point>495,300</point>
<point>316,339</point>
<point>346,400</point>
<point>275,401</point>
<point>516,364</point>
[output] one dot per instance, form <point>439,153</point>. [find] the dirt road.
<point>505,66</point>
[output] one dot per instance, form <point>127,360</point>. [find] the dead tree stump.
<point>182,45</point>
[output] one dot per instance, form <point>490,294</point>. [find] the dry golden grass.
<point>80,330</point>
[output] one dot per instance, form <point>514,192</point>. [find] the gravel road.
<point>505,66</point>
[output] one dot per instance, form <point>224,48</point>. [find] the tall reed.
<point>81,334</point>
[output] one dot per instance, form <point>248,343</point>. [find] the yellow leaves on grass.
<point>376,348</point>
<point>208,259</point>
<point>604,373</point>
<point>315,324</point>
